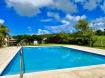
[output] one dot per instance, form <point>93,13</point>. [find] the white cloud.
<point>41,31</point>
<point>55,15</point>
<point>2,21</point>
<point>66,5</point>
<point>91,4</point>
<point>98,23</point>
<point>83,17</point>
<point>65,22</point>
<point>103,7</point>
<point>46,20</point>
<point>59,28</point>
<point>82,2</point>
<point>29,28</point>
<point>68,24</point>
<point>75,18</point>
<point>28,7</point>
<point>32,7</point>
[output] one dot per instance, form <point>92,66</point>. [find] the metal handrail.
<point>21,51</point>
<point>21,73</point>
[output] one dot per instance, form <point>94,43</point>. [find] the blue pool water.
<point>50,58</point>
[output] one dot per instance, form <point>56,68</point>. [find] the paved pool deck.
<point>94,71</point>
<point>6,55</point>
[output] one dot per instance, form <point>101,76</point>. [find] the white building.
<point>35,42</point>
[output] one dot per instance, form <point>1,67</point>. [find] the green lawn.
<point>100,42</point>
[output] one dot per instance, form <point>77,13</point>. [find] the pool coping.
<point>2,68</point>
<point>87,49</point>
<point>56,71</point>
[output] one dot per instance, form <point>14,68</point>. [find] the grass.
<point>99,47</point>
<point>100,43</point>
<point>66,44</point>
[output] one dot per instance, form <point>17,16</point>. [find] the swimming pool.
<point>50,58</point>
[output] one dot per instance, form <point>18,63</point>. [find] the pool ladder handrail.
<point>21,51</point>
<point>21,73</point>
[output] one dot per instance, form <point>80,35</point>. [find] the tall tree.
<point>82,26</point>
<point>85,32</point>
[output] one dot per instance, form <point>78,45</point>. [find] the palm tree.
<point>3,33</point>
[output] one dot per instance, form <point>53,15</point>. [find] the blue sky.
<point>50,16</point>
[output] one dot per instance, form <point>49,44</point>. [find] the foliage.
<point>50,38</point>
<point>82,25</point>
<point>85,34</point>
<point>100,32</point>
<point>100,41</point>
<point>61,38</point>
<point>3,33</point>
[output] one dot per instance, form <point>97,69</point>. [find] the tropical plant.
<point>3,33</point>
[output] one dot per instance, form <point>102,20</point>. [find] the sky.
<point>50,16</point>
